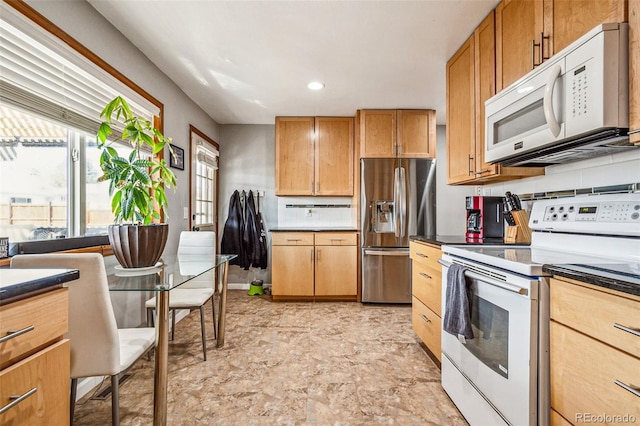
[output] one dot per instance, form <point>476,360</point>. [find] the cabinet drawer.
<point>425,254</point>
<point>598,314</point>
<point>336,238</point>
<point>48,372</point>
<point>427,326</point>
<point>584,374</point>
<point>426,285</point>
<point>292,238</point>
<point>44,319</point>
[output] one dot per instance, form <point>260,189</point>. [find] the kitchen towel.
<point>457,311</point>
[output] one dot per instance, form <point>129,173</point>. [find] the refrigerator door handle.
<point>403,202</point>
<point>387,252</point>
<point>396,201</point>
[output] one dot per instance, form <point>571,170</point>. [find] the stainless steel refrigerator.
<point>398,199</point>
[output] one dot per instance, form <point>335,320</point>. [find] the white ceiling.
<point>245,62</point>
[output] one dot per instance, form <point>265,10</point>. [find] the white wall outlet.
<point>478,190</point>
<point>486,191</point>
<point>185,213</point>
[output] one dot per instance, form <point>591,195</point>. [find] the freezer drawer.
<point>386,275</point>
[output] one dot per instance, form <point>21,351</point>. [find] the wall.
<point>616,169</point>
<point>247,161</point>
<point>87,26</point>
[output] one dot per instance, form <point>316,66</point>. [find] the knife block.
<point>520,233</point>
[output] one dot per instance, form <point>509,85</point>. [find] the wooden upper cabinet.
<point>314,156</point>
<point>634,71</point>
<point>294,155</point>
<point>334,154</point>
<point>397,133</point>
<point>530,31</point>
<point>565,21</point>
<point>518,26</point>
<point>377,133</point>
<point>416,133</point>
<point>460,114</point>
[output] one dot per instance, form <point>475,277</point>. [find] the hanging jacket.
<point>232,237</point>
<point>251,233</point>
<point>262,263</point>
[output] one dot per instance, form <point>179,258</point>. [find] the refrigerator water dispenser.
<point>383,218</point>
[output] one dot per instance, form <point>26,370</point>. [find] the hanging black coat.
<point>254,242</point>
<point>232,237</point>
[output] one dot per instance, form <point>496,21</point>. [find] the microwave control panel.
<point>579,90</point>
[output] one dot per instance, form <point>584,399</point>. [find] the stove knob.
<point>635,215</point>
<point>552,209</point>
<point>570,208</point>
<point>636,207</point>
<point>561,209</point>
<point>565,216</point>
<point>554,216</point>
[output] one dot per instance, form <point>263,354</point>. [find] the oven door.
<point>500,362</point>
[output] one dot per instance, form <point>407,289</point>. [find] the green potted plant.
<point>137,185</point>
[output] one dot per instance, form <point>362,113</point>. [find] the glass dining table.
<point>170,273</point>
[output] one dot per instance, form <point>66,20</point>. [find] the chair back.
<point>93,332</point>
<point>198,243</point>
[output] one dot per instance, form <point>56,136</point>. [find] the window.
<point>205,183</point>
<point>50,102</point>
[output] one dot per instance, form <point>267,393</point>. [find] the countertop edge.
<point>17,291</point>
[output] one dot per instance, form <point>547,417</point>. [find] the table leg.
<point>162,354</point>
<point>223,306</point>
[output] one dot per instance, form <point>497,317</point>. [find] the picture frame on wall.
<point>176,160</point>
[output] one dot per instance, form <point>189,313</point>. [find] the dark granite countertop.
<point>453,240</point>
<point>16,283</point>
<point>313,229</point>
<point>624,279</point>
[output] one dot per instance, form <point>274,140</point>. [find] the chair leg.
<point>173,323</point>
<point>204,337</point>
<point>213,309</point>
<point>115,400</point>
<point>72,402</point>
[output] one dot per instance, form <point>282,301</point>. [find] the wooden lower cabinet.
<point>314,266</point>
<point>35,364</point>
<point>426,287</point>
<point>592,357</point>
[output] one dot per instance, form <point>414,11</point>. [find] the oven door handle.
<point>484,279</point>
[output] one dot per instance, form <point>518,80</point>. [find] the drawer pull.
<point>424,318</point>
<point>17,400</point>
<point>425,275</point>
<point>11,333</point>
<point>337,239</point>
<point>634,331</point>
<point>294,239</point>
<point>421,254</point>
<point>631,388</point>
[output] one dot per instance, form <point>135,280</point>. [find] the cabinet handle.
<point>311,255</point>
<point>542,39</point>
<point>317,255</point>
<point>634,331</point>
<point>631,132</point>
<point>422,255</point>
<point>336,239</point>
<point>424,275</point>
<point>631,388</point>
<point>294,239</point>
<point>317,187</point>
<point>11,333</point>
<point>469,172</point>
<point>17,399</point>
<point>481,172</point>
<point>533,53</point>
<point>424,318</point>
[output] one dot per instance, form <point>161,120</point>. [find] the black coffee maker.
<point>484,218</point>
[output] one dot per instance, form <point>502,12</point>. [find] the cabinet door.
<point>460,114</point>
<point>518,25</point>
<point>634,70</point>
<point>416,133</point>
<point>485,87</point>
<point>377,133</point>
<point>292,270</point>
<point>294,155</point>
<point>566,20</point>
<point>336,270</point>
<point>334,156</point>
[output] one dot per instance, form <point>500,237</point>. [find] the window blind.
<point>41,74</point>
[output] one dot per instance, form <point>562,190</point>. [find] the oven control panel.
<point>607,213</point>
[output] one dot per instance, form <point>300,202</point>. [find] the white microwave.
<point>573,106</point>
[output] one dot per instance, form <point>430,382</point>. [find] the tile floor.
<point>290,364</point>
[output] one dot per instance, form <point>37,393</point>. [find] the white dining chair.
<point>98,347</point>
<point>195,293</point>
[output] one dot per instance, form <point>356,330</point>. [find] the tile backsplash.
<point>299,212</point>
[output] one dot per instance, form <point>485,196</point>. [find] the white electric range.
<point>501,377</point>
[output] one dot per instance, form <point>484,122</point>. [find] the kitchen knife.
<point>516,202</point>
<point>509,218</point>
<point>508,201</point>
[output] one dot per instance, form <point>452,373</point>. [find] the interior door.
<point>203,182</point>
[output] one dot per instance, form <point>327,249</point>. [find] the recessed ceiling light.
<point>315,85</point>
